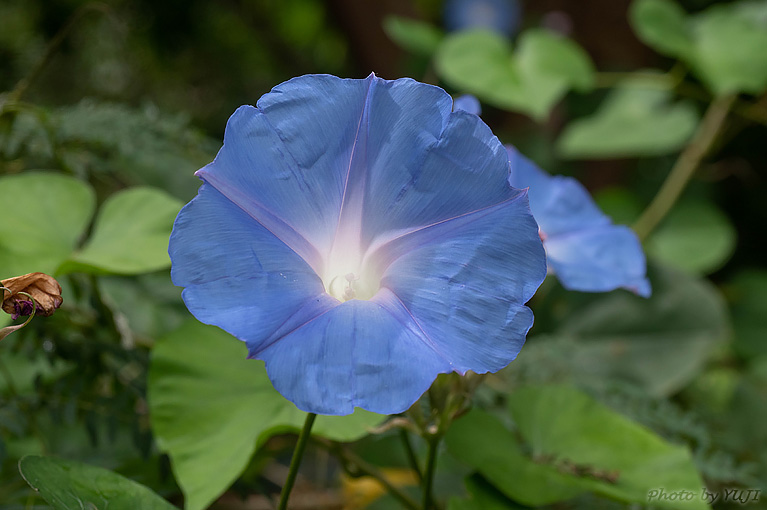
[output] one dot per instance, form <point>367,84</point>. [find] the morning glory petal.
<point>468,103</point>
<point>237,275</point>
<point>285,162</point>
<point>559,204</point>
<point>458,171</point>
<point>599,259</point>
<point>455,281</point>
<point>357,354</point>
<point>361,238</point>
<point>584,249</point>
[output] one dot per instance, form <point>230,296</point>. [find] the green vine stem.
<point>410,452</point>
<point>298,454</point>
<point>428,476</point>
<point>708,131</point>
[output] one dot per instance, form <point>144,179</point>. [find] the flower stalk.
<point>428,477</point>
<point>295,462</point>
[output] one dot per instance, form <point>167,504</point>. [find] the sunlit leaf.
<point>530,79</point>
<point>723,44</point>
<point>44,215</point>
<point>131,233</point>
<point>210,406</point>
<point>729,48</point>
<point>633,120</point>
<point>68,485</point>
<point>661,24</point>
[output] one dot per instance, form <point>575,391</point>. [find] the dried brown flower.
<point>44,289</point>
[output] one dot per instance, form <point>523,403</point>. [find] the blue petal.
<point>437,177</point>
<point>559,204</point>
<point>468,103</point>
<point>285,162</point>
<point>368,170</point>
<point>599,259</point>
<point>237,274</point>
<point>503,16</point>
<point>584,249</point>
<point>357,354</point>
<point>465,282</point>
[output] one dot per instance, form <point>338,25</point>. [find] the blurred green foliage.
<point>106,111</point>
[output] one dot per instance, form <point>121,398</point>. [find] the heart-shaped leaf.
<point>131,233</point>
<point>211,406</point>
<point>530,79</point>
<point>723,44</point>
<point>634,120</point>
<point>44,215</point>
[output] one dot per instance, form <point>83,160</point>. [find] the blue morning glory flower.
<point>502,16</point>
<point>468,103</point>
<point>360,238</point>
<point>584,249</point>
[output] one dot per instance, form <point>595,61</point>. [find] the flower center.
<point>345,276</point>
<point>351,285</point>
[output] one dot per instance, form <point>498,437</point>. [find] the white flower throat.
<point>346,276</point>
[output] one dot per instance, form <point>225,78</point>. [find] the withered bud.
<point>44,289</point>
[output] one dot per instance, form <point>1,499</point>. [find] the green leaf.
<point>529,80</point>
<point>575,445</point>
<point>661,342</point>
<point>68,485</point>
<point>574,432</point>
<point>723,44</point>
<point>748,298</point>
<point>481,441</point>
<point>696,236</point>
<point>412,35</point>
<point>44,215</point>
<point>620,204</point>
<point>211,406</point>
<point>632,121</point>
<point>729,50</point>
<point>661,24</point>
<point>131,233</point>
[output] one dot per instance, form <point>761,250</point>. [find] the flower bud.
<point>40,287</point>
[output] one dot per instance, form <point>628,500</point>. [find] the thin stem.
<point>412,459</point>
<point>428,478</point>
<point>684,168</point>
<point>298,454</point>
